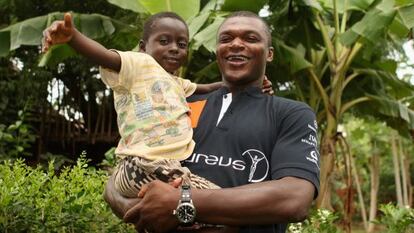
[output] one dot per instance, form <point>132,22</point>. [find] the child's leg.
<point>133,172</point>
<point>129,178</point>
<point>169,169</point>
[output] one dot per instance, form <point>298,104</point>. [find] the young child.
<point>149,100</point>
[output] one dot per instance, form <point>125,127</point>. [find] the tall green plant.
<point>339,59</point>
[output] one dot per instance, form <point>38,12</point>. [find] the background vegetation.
<point>339,56</point>
<point>34,200</point>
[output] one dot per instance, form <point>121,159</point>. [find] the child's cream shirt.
<point>152,110</point>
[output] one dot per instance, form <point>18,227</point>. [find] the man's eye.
<point>225,39</point>
<point>252,39</point>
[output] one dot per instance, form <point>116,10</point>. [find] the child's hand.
<point>267,86</point>
<point>175,183</point>
<point>59,32</point>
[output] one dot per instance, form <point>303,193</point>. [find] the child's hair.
<point>148,25</point>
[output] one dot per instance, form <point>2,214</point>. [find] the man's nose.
<point>237,43</point>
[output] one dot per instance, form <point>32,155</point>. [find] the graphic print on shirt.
<point>142,105</point>
<point>122,101</point>
<point>216,160</point>
<point>313,141</point>
<point>157,93</point>
<point>255,162</point>
<point>259,166</point>
<point>163,108</point>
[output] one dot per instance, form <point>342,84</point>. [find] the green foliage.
<point>371,25</point>
<point>368,137</point>
<point>32,200</point>
<point>397,219</point>
<point>320,221</point>
<point>16,138</point>
<point>238,5</point>
<point>110,159</point>
<point>184,8</point>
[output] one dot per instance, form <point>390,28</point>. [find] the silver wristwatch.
<point>185,210</point>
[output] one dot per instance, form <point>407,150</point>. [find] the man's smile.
<point>237,59</point>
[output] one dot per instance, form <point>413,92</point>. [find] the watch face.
<point>186,213</point>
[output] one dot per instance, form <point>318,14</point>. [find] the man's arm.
<point>271,202</point>
<point>63,31</point>
<point>119,204</point>
<point>277,201</point>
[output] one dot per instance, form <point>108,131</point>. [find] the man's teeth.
<point>237,58</point>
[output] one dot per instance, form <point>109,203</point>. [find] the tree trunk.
<point>326,172</point>
<point>375,174</point>
<point>396,170</point>
<point>360,195</point>
<point>403,173</point>
<point>410,184</point>
<point>348,203</point>
<point>406,171</point>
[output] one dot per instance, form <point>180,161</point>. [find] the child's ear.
<point>142,46</point>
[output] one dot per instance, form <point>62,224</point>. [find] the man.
<point>261,149</point>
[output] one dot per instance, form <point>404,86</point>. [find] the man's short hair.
<point>252,15</point>
<point>149,23</point>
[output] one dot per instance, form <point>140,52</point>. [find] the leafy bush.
<point>110,160</point>
<point>16,138</point>
<point>320,221</point>
<point>397,219</point>
<point>32,200</point>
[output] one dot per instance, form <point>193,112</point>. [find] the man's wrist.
<point>185,211</point>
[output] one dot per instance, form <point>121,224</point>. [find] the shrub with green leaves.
<point>32,200</point>
<point>320,221</point>
<point>16,138</point>
<point>397,219</point>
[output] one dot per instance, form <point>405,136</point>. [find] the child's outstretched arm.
<point>63,31</point>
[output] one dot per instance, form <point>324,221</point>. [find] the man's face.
<point>243,50</point>
<point>167,43</point>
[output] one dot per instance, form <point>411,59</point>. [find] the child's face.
<point>168,43</point>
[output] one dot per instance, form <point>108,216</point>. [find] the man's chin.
<point>236,77</point>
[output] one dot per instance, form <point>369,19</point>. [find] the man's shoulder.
<point>200,97</point>
<point>285,104</point>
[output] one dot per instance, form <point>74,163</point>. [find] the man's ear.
<point>270,54</point>
<point>142,46</point>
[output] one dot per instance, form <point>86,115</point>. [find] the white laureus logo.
<point>259,160</point>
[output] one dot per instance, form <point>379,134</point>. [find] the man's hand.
<point>59,32</point>
<point>119,204</point>
<point>267,86</point>
<point>154,212</point>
